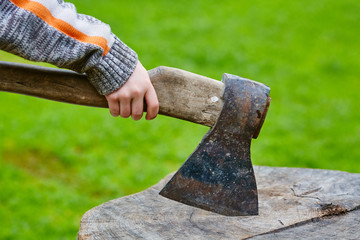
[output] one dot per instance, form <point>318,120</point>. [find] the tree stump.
<point>293,203</point>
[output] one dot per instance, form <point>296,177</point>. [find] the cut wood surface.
<point>293,204</point>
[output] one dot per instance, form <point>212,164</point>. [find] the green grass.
<point>59,160</point>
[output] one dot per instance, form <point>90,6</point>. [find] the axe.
<point>218,176</point>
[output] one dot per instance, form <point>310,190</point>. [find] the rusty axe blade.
<point>218,176</point>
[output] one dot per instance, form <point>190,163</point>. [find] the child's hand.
<point>129,99</point>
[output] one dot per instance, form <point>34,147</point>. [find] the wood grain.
<point>187,96</point>
<point>181,94</point>
<point>289,198</point>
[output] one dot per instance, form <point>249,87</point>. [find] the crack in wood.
<point>332,214</point>
<point>303,195</point>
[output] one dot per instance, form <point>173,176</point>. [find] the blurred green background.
<point>58,160</point>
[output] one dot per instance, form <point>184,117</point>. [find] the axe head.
<point>218,176</point>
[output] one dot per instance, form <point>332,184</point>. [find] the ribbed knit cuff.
<point>114,69</point>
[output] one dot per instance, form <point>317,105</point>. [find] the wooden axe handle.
<point>181,94</point>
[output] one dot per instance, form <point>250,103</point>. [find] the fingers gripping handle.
<point>181,94</point>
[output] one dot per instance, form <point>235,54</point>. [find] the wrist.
<point>113,69</point>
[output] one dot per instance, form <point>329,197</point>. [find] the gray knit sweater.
<point>52,31</point>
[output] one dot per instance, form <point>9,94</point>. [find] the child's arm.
<point>52,31</point>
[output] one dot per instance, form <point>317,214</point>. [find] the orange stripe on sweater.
<point>42,12</point>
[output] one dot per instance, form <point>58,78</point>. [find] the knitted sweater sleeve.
<point>52,31</point>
